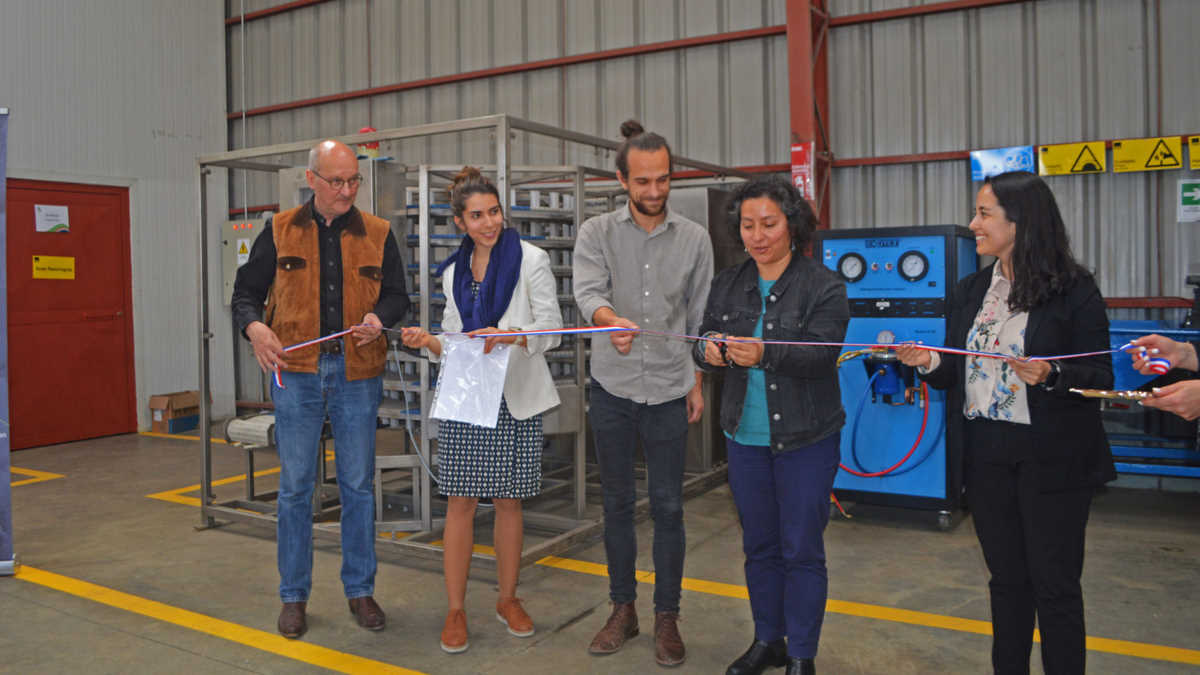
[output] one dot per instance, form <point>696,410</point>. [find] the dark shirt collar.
<point>338,223</point>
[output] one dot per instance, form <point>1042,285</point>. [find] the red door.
<point>70,340</point>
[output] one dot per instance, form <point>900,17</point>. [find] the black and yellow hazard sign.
<point>1071,158</point>
<point>1194,153</point>
<point>1147,154</point>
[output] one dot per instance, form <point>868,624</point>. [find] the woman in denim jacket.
<point>782,415</point>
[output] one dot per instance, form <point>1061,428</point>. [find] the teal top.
<point>755,426</point>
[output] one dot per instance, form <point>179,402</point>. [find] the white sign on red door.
<point>802,168</point>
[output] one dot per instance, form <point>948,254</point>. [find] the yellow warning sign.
<point>1194,153</point>
<point>1071,158</point>
<point>53,267</point>
<point>1147,154</point>
<point>243,249</point>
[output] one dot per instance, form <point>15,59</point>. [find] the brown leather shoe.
<point>514,617</point>
<point>367,612</point>
<point>622,624</point>
<point>668,644</point>
<point>292,623</point>
<point>454,632</point>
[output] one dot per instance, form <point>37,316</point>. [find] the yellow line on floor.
<point>182,437</point>
<point>176,495</point>
<point>1142,650</point>
<point>269,642</point>
<point>1124,647</point>
<point>35,476</point>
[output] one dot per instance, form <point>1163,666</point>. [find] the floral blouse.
<point>993,389</point>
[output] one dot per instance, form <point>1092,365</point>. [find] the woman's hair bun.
<point>467,176</point>
<point>631,128</point>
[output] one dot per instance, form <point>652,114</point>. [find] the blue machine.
<point>898,280</point>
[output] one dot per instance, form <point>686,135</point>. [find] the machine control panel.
<point>908,267</point>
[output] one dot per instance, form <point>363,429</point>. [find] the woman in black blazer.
<point>1034,452</point>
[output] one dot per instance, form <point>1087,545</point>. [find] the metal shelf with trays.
<point>396,183</point>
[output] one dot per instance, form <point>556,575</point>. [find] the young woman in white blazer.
<point>494,283</point>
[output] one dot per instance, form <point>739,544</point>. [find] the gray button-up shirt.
<point>659,280</point>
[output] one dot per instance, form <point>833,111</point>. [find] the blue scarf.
<point>496,289</point>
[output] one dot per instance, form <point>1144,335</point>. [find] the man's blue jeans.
<point>300,410</point>
<point>617,424</point>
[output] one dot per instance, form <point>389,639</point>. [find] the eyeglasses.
<point>339,183</point>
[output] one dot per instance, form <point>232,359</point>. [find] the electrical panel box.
<point>237,237</point>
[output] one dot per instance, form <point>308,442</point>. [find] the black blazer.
<point>1070,445</point>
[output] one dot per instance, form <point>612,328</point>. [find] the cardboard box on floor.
<point>176,412</point>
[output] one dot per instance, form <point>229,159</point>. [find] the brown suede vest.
<point>294,302</point>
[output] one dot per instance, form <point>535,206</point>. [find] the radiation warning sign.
<point>1147,154</point>
<point>1071,158</point>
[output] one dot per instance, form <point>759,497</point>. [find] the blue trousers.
<point>300,410</point>
<point>783,503</point>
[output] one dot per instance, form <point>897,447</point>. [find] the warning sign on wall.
<point>243,251</point>
<point>1147,154</point>
<point>1071,158</point>
<point>1194,153</point>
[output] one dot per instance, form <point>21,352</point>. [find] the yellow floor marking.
<point>1124,647</point>
<point>35,476</point>
<point>860,609</point>
<point>269,642</point>
<point>182,437</point>
<point>176,495</point>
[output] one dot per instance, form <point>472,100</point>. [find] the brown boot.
<point>291,622</point>
<point>367,613</point>
<point>622,624</point>
<point>668,644</point>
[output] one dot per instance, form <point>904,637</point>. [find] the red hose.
<point>897,465</point>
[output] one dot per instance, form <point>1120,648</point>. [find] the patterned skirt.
<point>504,462</point>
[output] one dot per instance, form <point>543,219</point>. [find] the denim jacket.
<point>807,303</point>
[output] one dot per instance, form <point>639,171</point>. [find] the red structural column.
<point>808,86</point>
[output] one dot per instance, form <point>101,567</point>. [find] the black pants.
<point>1033,544</point>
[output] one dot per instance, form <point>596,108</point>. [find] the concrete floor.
<point>905,598</point>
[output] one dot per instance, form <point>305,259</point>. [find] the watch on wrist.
<point>1052,378</point>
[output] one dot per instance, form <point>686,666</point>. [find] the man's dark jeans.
<point>617,423</point>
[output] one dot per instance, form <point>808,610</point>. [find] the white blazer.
<point>528,387</point>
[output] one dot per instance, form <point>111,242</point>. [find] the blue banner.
<point>7,559</point>
<point>986,163</point>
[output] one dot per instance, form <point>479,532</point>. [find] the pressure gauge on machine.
<point>852,267</point>
<point>913,266</point>
<point>885,337</point>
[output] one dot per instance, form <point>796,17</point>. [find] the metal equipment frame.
<point>566,531</point>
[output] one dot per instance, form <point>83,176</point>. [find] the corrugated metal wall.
<point>724,103</point>
<point>127,93</point>
<point>1050,71</point>
<point>1042,71</point>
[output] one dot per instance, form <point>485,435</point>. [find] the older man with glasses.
<point>321,268</point>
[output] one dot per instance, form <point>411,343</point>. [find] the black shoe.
<point>801,667</point>
<point>760,656</point>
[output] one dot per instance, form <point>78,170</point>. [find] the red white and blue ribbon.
<point>587,330</point>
